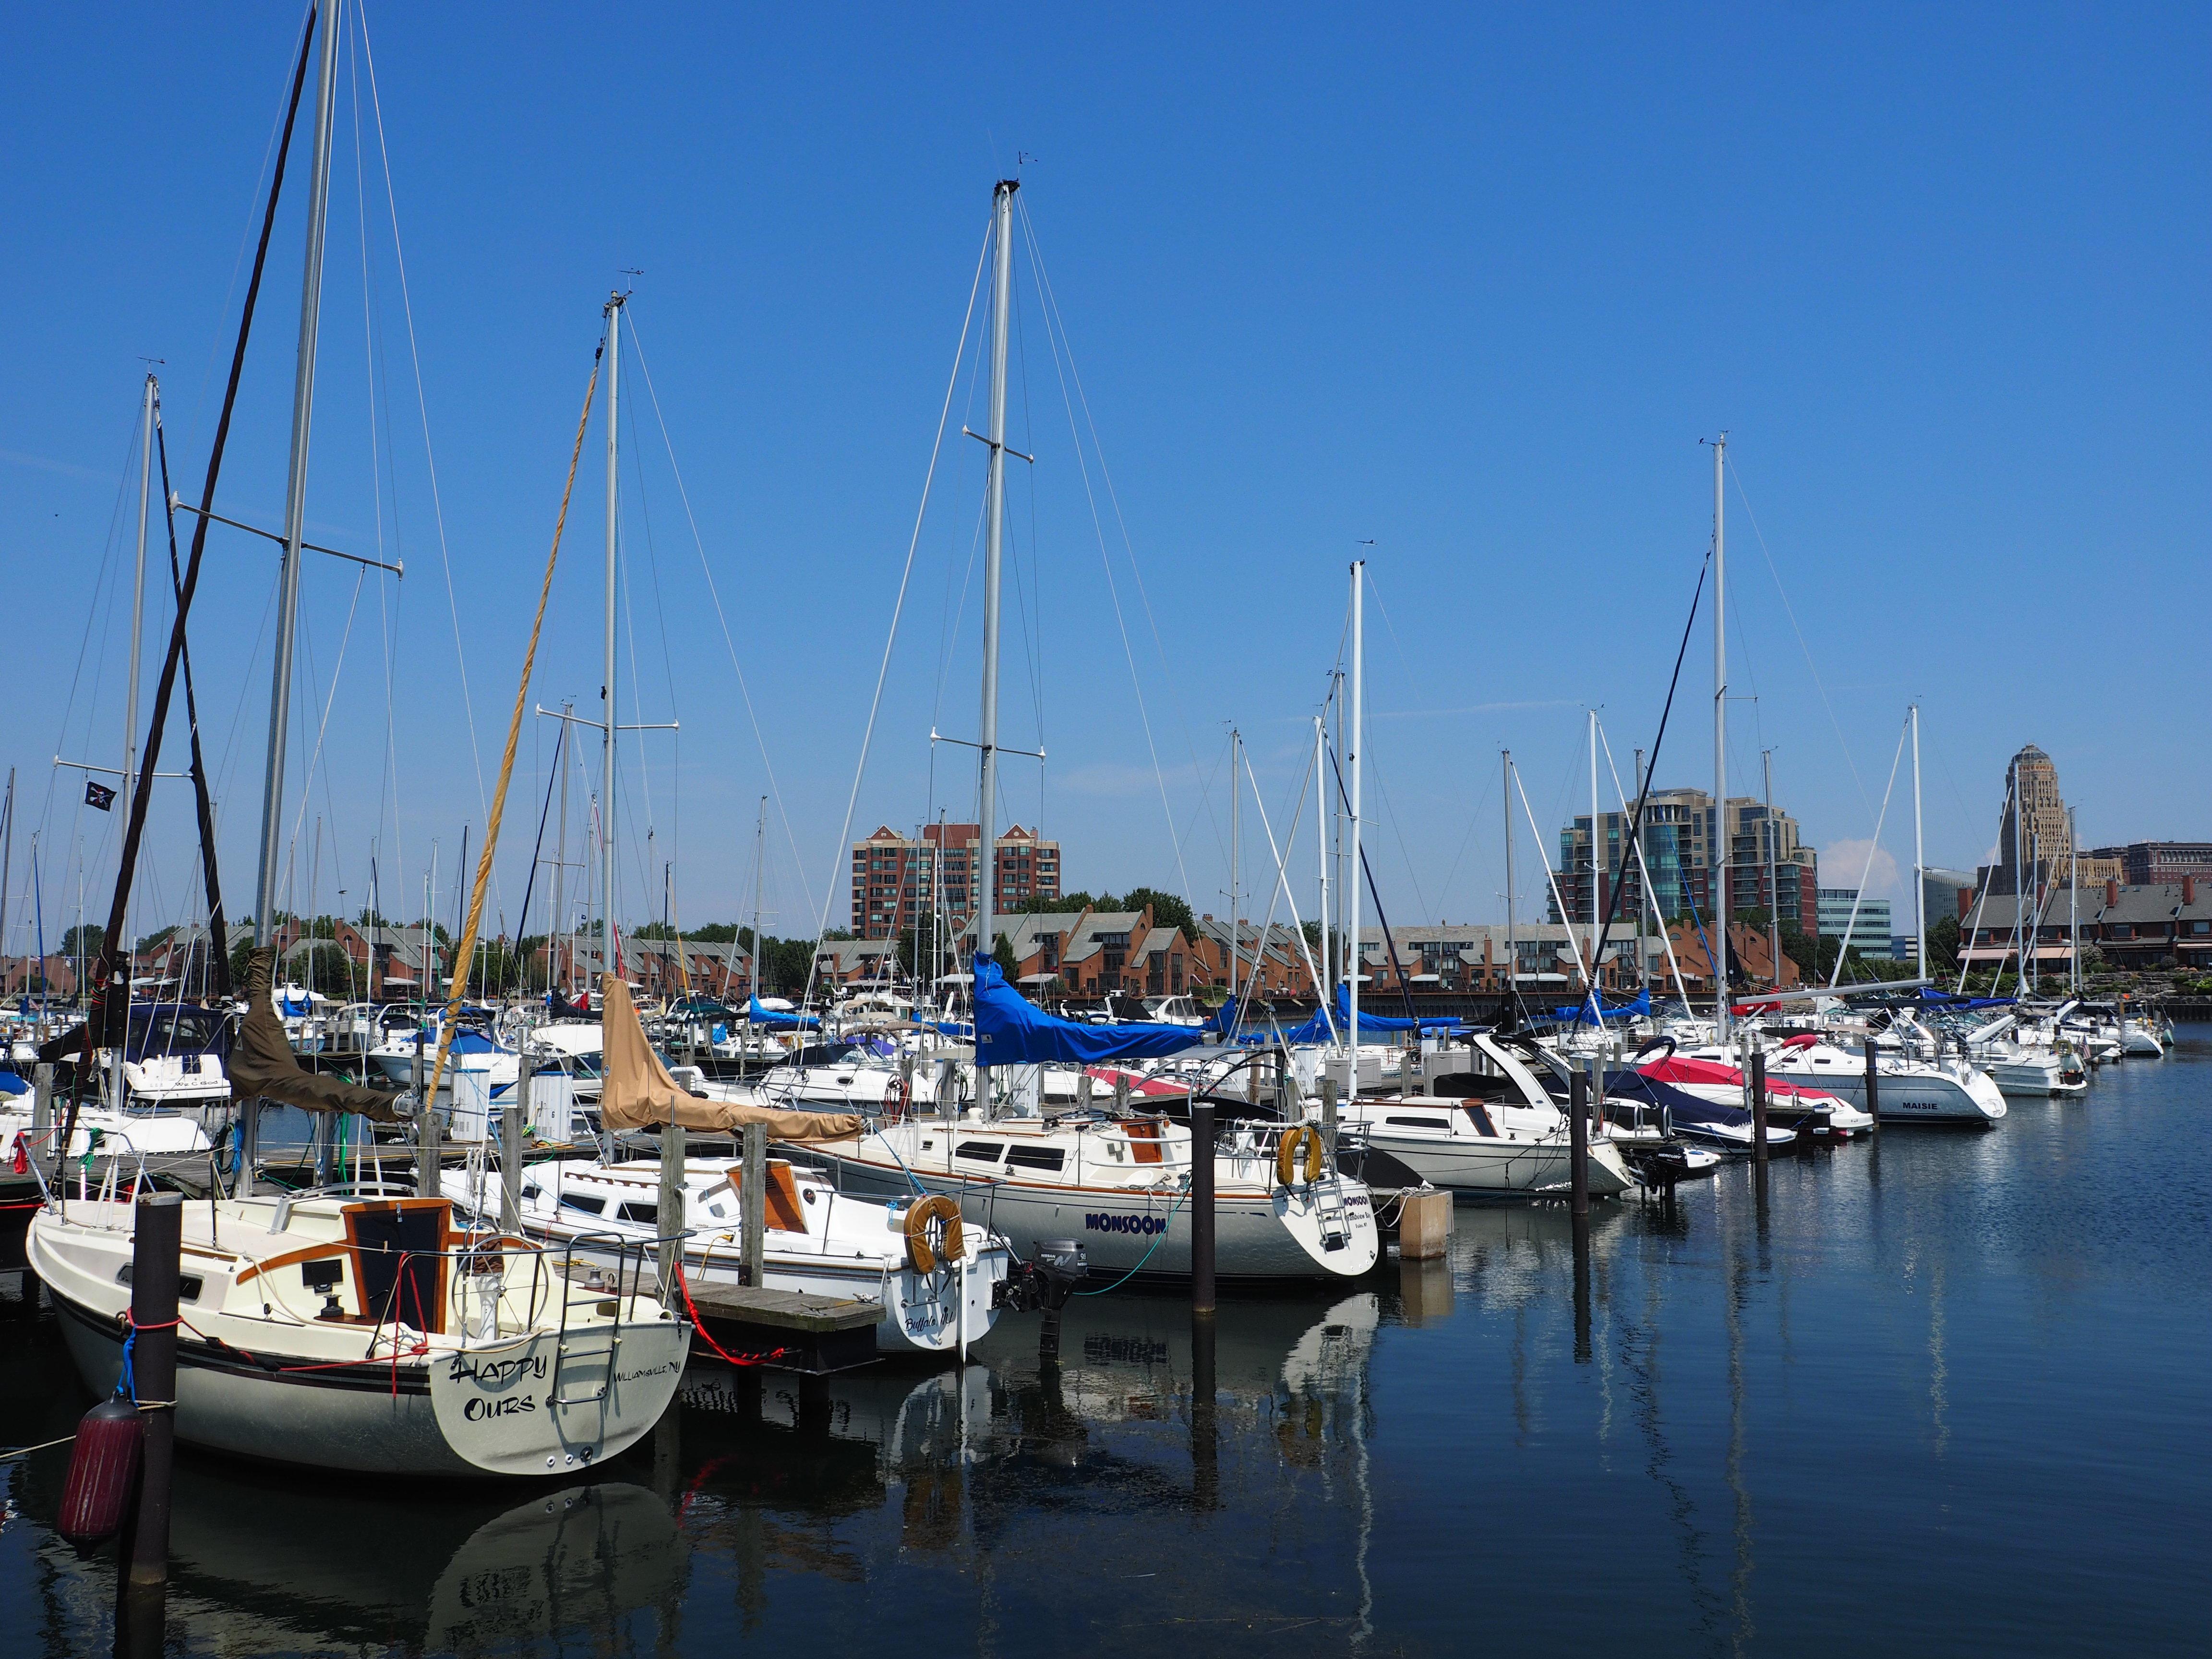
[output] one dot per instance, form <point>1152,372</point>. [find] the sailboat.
<point>1118,1186</point>
<point>352,1326</point>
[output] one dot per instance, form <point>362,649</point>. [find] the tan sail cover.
<point>636,1091</point>
<point>262,1062</point>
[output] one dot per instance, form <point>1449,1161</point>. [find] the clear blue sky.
<point>1472,286</point>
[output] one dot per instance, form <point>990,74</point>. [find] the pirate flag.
<point>99,795</point>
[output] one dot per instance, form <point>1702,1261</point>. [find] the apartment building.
<point>899,881</point>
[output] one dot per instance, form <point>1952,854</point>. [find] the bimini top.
<point>1011,1030</point>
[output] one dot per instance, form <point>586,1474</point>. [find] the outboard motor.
<point>1045,1281</point>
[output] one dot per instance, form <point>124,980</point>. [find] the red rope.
<point>707,1337</point>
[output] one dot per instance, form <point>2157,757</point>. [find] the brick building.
<point>897,881</point>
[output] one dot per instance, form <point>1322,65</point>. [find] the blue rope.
<point>126,1385</point>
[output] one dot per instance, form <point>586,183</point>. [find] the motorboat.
<point>1913,1087</point>
<point>1494,1131</point>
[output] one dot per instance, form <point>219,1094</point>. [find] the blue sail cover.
<point>1317,1029</point>
<point>1581,1016</point>
<point>1011,1030</point>
<point>1932,997</point>
<point>760,1016</point>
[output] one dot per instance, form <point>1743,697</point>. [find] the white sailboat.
<point>351,1327</point>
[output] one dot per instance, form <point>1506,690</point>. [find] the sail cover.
<point>636,1091</point>
<point>262,1062</point>
<point>1317,1029</point>
<point>759,1016</point>
<point>1011,1030</point>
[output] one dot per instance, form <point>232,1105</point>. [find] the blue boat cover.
<point>760,1016</point>
<point>12,1085</point>
<point>1581,1016</point>
<point>1930,995</point>
<point>1011,1030</point>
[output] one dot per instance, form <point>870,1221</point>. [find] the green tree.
<point>1943,945</point>
<point>1168,910</point>
<point>1003,953</point>
<point>86,939</point>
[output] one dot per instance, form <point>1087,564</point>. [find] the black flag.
<point>98,795</point>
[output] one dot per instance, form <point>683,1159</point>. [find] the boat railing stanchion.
<point>512,1115</point>
<point>1872,1088</point>
<point>1578,1143</point>
<point>1201,1210</point>
<point>156,1257</point>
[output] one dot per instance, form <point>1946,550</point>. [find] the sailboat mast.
<point>296,488</point>
<point>607,691</point>
<point>760,883</point>
<point>131,700</point>
<point>1002,294</point>
<point>1773,886</point>
<point>1321,841</point>
<point>1235,835</point>
<point>1718,899</point>
<point>1352,925</point>
<point>1919,856</point>
<point>1512,947</point>
<point>2073,899</point>
<point>1595,843</point>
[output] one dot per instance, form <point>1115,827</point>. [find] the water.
<point>1943,1392</point>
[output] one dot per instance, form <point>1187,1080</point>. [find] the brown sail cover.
<point>636,1092</point>
<point>262,1062</point>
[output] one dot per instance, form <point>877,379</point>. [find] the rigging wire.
<point>714,592</point>
<point>898,609</point>
<point>1056,335</point>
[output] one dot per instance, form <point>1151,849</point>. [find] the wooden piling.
<point>157,1255</point>
<point>1578,1139</point>
<point>1758,1076</point>
<point>752,1204</point>
<point>1873,1086</point>
<point>668,1214</point>
<point>1201,1208</point>
<point>512,1115</point>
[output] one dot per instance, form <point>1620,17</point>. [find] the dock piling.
<point>752,1204</point>
<point>42,1118</point>
<point>668,1213</point>
<point>1873,1087</point>
<point>1201,1209</point>
<point>1757,1074</point>
<point>157,1255</point>
<point>1578,1140</point>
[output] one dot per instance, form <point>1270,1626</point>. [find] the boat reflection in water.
<point>262,1561</point>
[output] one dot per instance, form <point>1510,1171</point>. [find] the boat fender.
<point>1286,1154</point>
<point>952,1242</point>
<point>103,1472</point>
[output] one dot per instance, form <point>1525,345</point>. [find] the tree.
<point>1943,943</point>
<point>1065,904</point>
<point>86,939</point>
<point>1168,910</point>
<point>1002,952</point>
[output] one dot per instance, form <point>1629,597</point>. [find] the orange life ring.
<point>1286,1154</point>
<point>952,1243</point>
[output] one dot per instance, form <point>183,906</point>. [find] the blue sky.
<point>1471,284</point>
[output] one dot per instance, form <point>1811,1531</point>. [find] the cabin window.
<point>982,1151</point>
<point>639,1212</point>
<point>1035,1158</point>
<point>715,1208</point>
<point>1419,1122</point>
<point>189,1285</point>
<point>587,1206</point>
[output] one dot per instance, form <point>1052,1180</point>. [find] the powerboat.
<point>1914,1089</point>
<point>1494,1131</point>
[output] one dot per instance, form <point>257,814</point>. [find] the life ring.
<point>1286,1154</point>
<point>953,1243</point>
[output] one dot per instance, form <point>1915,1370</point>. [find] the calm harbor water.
<point>1943,1393</point>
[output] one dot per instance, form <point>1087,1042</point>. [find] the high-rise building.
<point>900,881</point>
<point>2034,832</point>
<point>1868,931</point>
<point>1678,842</point>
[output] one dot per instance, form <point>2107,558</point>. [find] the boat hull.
<point>1504,1168</point>
<point>1146,1231</point>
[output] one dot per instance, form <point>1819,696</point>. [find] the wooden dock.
<point>801,1331</point>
